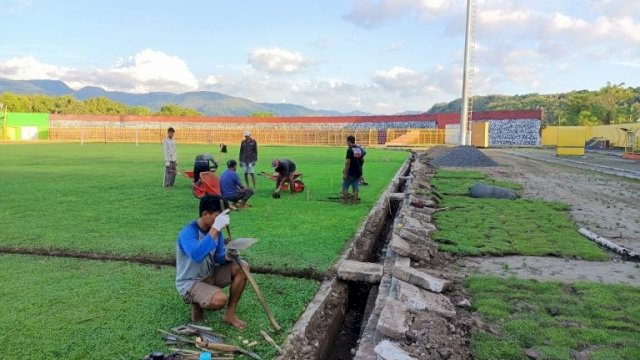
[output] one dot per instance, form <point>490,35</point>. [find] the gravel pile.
<point>463,156</point>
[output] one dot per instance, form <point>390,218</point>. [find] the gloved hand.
<point>221,221</point>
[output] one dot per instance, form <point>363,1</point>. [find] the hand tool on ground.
<point>173,339</point>
<point>203,331</point>
<point>270,341</point>
<point>183,354</point>
<point>203,344</point>
<point>253,283</point>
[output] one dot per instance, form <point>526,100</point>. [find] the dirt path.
<point>605,204</point>
<point>555,269</point>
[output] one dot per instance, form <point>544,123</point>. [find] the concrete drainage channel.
<point>376,304</point>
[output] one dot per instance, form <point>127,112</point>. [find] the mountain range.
<point>206,102</point>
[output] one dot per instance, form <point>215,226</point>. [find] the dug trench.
<point>391,295</point>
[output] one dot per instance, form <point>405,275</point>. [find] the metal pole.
<point>465,78</point>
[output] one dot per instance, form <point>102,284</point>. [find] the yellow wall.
<point>480,134</point>
<point>571,140</point>
<point>612,133</point>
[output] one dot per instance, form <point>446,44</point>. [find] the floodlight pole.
<point>464,111</point>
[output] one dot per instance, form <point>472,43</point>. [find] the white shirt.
<point>169,149</point>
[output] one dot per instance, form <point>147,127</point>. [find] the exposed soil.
<point>437,337</point>
<point>555,269</point>
<point>308,273</point>
<point>606,205</point>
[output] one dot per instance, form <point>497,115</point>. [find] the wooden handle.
<point>270,341</point>
<point>255,288</point>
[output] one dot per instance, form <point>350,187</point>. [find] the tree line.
<point>612,104</point>
<point>94,106</point>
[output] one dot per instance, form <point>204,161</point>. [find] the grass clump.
<point>554,318</point>
<point>62,308</point>
<point>504,227</point>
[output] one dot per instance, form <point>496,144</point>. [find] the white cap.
<point>247,133</point>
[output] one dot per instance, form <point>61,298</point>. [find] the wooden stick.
<point>256,289</point>
<point>270,341</point>
<point>181,338</point>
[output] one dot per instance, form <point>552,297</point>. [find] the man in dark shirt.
<point>231,186</point>
<point>203,162</point>
<point>248,158</point>
<point>352,170</point>
<point>285,169</point>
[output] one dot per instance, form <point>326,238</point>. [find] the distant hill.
<point>206,102</point>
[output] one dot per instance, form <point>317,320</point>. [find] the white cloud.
<point>277,60</point>
<point>146,71</point>
<point>26,68</point>
<point>373,13</point>
<point>16,6</point>
<point>616,7</point>
<point>401,80</point>
<point>150,69</point>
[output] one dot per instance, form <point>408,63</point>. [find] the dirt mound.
<point>463,156</point>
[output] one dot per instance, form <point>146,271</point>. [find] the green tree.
<point>175,110</point>
<point>608,100</point>
<point>139,110</point>
<point>104,106</point>
<point>262,114</point>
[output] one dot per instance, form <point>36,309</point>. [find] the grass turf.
<point>553,319</point>
<point>504,227</point>
<point>108,198</point>
<point>62,308</point>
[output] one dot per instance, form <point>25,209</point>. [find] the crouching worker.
<point>203,267</point>
<point>231,187</point>
<point>286,170</point>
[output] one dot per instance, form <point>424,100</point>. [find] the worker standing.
<point>170,158</point>
<point>248,158</point>
<point>352,171</point>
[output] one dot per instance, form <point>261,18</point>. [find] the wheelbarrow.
<point>298,185</point>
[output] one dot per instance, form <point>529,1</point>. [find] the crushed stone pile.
<point>463,156</point>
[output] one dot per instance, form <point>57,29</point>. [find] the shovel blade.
<point>241,243</point>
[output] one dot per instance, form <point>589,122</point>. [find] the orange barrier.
<point>398,137</point>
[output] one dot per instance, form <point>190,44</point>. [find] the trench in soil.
<point>361,296</point>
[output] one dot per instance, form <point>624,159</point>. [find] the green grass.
<point>60,308</point>
<point>554,319</point>
<point>457,183</point>
<point>504,227</point>
<point>108,198</point>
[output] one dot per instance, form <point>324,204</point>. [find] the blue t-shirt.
<point>196,254</point>
<point>229,183</point>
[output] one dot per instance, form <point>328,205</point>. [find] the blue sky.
<point>378,56</point>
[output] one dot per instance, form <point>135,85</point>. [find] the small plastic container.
<point>205,355</point>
